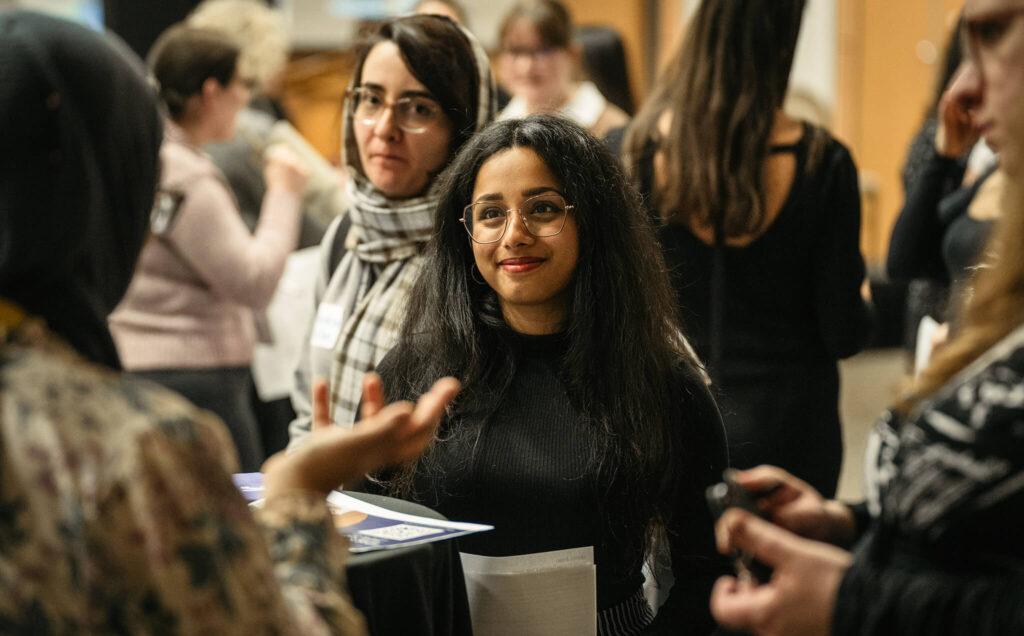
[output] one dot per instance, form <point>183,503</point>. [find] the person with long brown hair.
<point>942,553</point>
<point>759,217</point>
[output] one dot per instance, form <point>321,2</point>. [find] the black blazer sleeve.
<point>842,315</point>
<point>915,247</point>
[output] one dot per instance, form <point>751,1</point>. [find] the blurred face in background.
<point>439,8</point>
<point>532,70</point>
<point>994,33</point>
<point>223,103</point>
<point>404,143</point>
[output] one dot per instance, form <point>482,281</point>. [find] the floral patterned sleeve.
<point>118,514</point>
<point>308,555</point>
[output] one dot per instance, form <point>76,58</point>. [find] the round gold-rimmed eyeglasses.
<point>542,215</point>
<point>413,114</point>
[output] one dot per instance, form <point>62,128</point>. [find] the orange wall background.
<point>312,92</point>
<point>884,89</point>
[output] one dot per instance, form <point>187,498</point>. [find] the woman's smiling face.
<point>531,275</point>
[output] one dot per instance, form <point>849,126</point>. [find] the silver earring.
<point>473,271</point>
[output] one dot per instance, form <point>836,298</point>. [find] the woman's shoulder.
<point>611,117</point>
<point>702,430</point>
<point>91,406</point>
<point>114,460</point>
<point>1002,363</point>
<point>824,165</point>
<point>691,384</point>
<point>181,163</point>
<point>824,151</point>
<point>982,403</point>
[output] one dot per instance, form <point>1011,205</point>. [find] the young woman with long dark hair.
<point>584,419</point>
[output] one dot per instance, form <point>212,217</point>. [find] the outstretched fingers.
<point>741,605</point>
<point>373,396</point>
<point>738,530</point>
<point>392,434</point>
<point>402,429</point>
<point>432,404</point>
<point>321,406</point>
<point>426,416</point>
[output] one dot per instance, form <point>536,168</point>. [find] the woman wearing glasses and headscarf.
<point>117,509</point>
<point>421,88</point>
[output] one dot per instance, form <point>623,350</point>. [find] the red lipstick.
<point>521,264</point>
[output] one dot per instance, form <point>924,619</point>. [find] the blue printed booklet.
<point>369,527</point>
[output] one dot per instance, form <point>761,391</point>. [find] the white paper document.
<point>923,347</point>
<point>541,594</point>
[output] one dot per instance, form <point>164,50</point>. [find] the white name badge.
<point>327,326</point>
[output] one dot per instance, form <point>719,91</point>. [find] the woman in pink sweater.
<point>187,321</point>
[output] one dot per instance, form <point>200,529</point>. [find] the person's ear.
<point>211,88</point>
<point>576,53</point>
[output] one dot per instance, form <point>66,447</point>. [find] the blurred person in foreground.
<point>117,509</point>
<point>942,551</point>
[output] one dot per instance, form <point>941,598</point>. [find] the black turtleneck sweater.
<point>529,471</point>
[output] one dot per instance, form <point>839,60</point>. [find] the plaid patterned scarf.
<point>377,272</point>
<point>375,278</point>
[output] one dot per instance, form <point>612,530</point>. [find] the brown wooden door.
<point>888,56</point>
